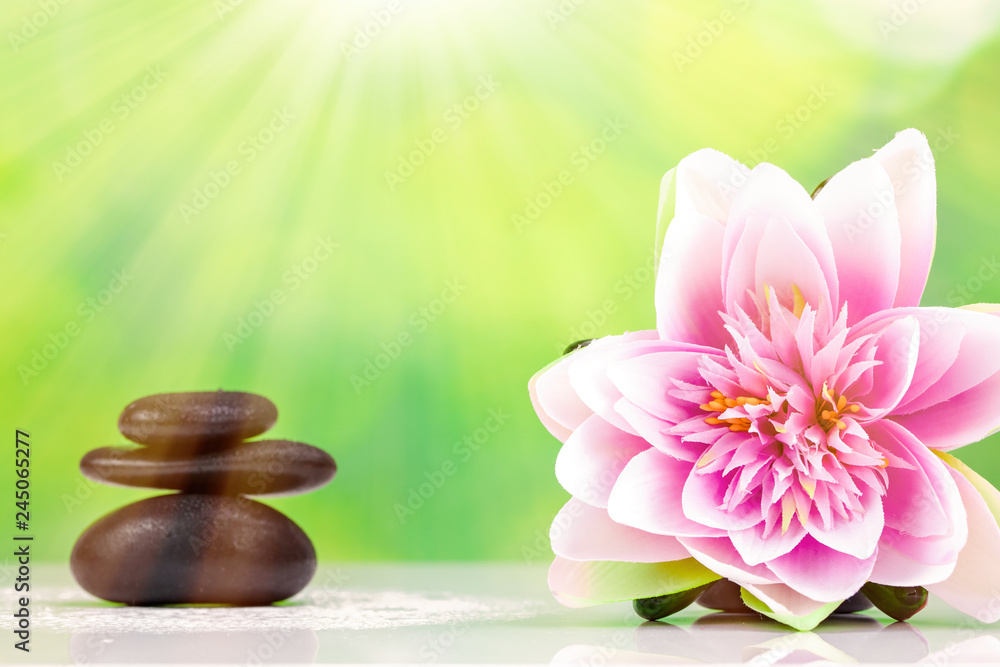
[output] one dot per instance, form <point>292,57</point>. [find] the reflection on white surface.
<point>234,648</point>
<point>745,638</point>
<point>446,614</point>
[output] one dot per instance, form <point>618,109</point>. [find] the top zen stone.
<point>197,420</point>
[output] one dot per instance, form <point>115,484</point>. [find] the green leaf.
<point>664,211</point>
<point>583,583</point>
<point>985,489</point>
<point>803,623</point>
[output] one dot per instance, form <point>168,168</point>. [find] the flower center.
<point>829,410</point>
<point>720,404</point>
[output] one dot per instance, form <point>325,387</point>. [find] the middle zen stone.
<point>263,467</point>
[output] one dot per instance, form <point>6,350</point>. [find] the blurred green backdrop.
<point>387,215</point>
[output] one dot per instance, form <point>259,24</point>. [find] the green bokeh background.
<point>737,76</point>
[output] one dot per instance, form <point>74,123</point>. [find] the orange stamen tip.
<point>855,408</point>
<point>717,394</point>
<point>841,425</point>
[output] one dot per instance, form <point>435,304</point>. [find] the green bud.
<point>898,602</point>
<point>653,609</point>
<point>577,345</point>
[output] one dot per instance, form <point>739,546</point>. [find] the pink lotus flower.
<point>787,423</point>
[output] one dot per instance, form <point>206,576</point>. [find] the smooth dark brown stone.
<point>197,420</point>
<point>855,603</point>
<point>724,595</point>
<point>259,468</point>
<point>194,549</point>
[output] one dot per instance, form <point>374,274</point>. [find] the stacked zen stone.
<point>208,544</point>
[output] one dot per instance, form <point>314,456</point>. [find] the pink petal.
<point>755,549</point>
<point>858,538</point>
<point>706,184</point>
<point>784,600</point>
<point>821,573</point>
<point>558,407</point>
<point>592,458</point>
<point>776,236</point>
<point>908,161</point>
<point>655,431</point>
<point>922,501</point>
<point>974,587</point>
<point>583,532</point>
<point>703,496</point>
<point>688,284</point>
<point>647,496</point>
<point>896,351</point>
<point>951,400</point>
<point>894,568</point>
<point>588,373</point>
<point>858,207</point>
<point>648,381</point>
<point>719,555</point>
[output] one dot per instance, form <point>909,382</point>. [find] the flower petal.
<point>798,612</point>
<point>703,499</point>
<point>897,348</point>
<point>694,204</point>
<point>588,374</point>
<point>583,532</point>
<point>974,588</point>
<point>719,555</point>
<point>858,538</point>
<point>585,583</point>
<point>922,500</point>
<point>859,209</point>
<point>755,549</point>
<point>592,458</point>
<point>894,568</point>
<point>908,161</point>
<point>648,381</point>
<point>951,400</point>
<point>647,496</point>
<point>688,283</point>
<point>558,407</point>
<point>707,183</point>
<point>821,573</point>
<point>776,236</point>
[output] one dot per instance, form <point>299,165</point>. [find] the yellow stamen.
<point>721,403</point>
<point>829,410</point>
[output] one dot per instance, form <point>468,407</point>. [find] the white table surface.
<point>460,613</point>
